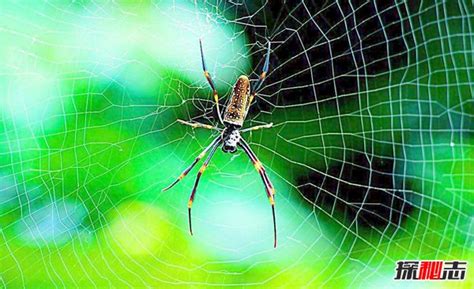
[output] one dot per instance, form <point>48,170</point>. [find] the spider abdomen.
<point>236,110</point>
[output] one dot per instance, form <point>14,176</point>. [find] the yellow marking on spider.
<point>263,74</point>
<point>272,201</point>
<point>181,176</point>
<point>190,203</point>
<point>206,74</point>
<point>203,168</point>
<point>258,165</point>
<point>273,191</point>
<point>251,99</point>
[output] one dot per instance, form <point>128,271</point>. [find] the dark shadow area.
<point>364,192</point>
<point>329,50</point>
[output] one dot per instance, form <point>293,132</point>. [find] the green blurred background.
<point>90,94</point>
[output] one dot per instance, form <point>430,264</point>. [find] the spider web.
<point>371,151</point>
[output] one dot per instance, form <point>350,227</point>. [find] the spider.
<point>230,138</point>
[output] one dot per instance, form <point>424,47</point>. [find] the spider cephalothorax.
<point>230,139</point>
<point>234,116</point>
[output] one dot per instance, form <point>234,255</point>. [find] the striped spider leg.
<point>214,143</point>
<point>266,181</point>
<point>211,83</point>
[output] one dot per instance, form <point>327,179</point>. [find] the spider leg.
<point>196,183</point>
<point>266,181</point>
<point>262,76</point>
<point>268,125</point>
<point>258,166</point>
<point>198,125</point>
<point>198,158</point>
<point>211,83</point>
